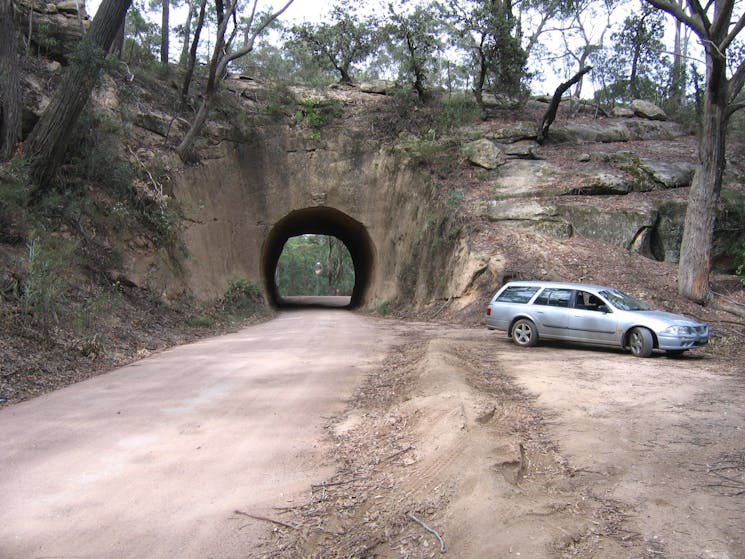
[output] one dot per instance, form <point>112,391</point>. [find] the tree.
<point>490,32</point>
<point>165,31</point>
<point>10,89</point>
<point>717,26</point>
<point>46,145</point>
<point>345,40</point>
<point>191,61</point>
<point>584,35</point>
<point>222,55</point>
<point>416,33</point>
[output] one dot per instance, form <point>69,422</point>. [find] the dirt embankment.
<point>466,445</point>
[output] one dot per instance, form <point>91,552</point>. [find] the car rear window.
<point>555,297</point>
<point>517,294</point>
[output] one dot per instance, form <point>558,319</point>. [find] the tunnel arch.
<point>321,220</point>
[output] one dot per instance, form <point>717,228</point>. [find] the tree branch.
<point>250,46</point>
<point>698,25</point>
<point>550,115</point>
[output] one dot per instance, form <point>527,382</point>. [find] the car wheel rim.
<point>523,334</point>
<point>636,344</point>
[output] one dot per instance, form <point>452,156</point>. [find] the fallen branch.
<point>399,453</point>
<point>430,530</point>
<point>266,519</point>
<point>332,483</point>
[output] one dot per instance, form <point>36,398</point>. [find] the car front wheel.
<point>641,342</point>
<point>524,333</point>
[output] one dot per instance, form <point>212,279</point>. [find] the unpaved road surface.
<point>152,460</point>
<point>349,436</point>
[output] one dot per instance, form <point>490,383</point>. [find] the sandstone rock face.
<point>56,27</point>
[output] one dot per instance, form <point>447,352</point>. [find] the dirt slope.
<point>551,452</point>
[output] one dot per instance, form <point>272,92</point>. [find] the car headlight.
<point>678,330</point>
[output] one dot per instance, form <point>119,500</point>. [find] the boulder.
<point>484,153</point>
<point>615,131</point>
<point>645,109</point>
<point>380,87</point>
<point>514,133</point>
<point>622,112</point>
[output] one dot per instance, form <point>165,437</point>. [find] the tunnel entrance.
<point>320,221</point>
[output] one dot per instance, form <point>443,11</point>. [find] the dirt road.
<point>152,460</point>
<point>349,436</point>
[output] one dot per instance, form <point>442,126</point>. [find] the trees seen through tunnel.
<point>314,265</point>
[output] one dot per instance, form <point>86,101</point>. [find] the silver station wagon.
<point>532,310</point>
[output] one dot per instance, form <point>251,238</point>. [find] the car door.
<point>553,313</point>
<point>592,320</point>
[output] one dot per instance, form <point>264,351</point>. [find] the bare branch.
<point>699,24</point>
<point>733,33</point>
<point>250,46</point>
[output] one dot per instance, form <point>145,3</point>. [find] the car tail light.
<point>488,311</point>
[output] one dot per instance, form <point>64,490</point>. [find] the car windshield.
<point>624,302</point>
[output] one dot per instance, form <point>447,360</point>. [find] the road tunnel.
<point>320,221</point>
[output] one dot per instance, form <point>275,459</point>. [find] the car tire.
<point>524,333</point>
<point>641,342</point>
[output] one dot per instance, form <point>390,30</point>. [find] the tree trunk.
<point>553,107</point>
<point>192,62</point>
<point>187,34</point>
<point>47,143</point>
<point>165,30</point>
<point>698,232</point>
<point>10,89</point>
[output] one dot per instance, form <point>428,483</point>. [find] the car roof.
<point>558,284</point>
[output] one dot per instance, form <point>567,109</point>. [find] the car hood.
<point>664,319</point>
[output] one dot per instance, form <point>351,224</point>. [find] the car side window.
<point>517,294</point>
<point>589,302</point>
<point>555,298</point>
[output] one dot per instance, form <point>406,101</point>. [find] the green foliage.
<point>317,114</point>
<point>455,198</point>
<point>279,100</point>
<point>202,321</point>
<point>455,113</point>
<point>297,267</point>
<point>243,298</point>
<point>49,263</point>
<point>636,67</point>
<point>740,264</point>
<point>415,41</point>
<point>491,35</point>
<point>384,308</point>
<point>346,39</point>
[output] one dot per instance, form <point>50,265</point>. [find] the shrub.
<point>243,298</point>
<point>740,264</point>
<point>455,113</point>
<point>49,262</point>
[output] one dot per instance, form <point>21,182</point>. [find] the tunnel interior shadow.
<point>320,220</point>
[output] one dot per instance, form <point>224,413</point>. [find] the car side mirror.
<point>603,309</point>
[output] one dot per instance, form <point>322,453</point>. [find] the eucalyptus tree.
<point>225,52</point>
<point>582,33</point>
<point>639,58</point>
<point>414,42</point>
<point>717,25</point>
<point>345,39</point>
<point>10,89</point>
<point>489,31</point>
<point>46,145</point>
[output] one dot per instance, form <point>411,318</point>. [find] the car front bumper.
<point>680,343</point>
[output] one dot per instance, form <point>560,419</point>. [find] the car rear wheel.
<point>641,342</point>
<point>524,333</point>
